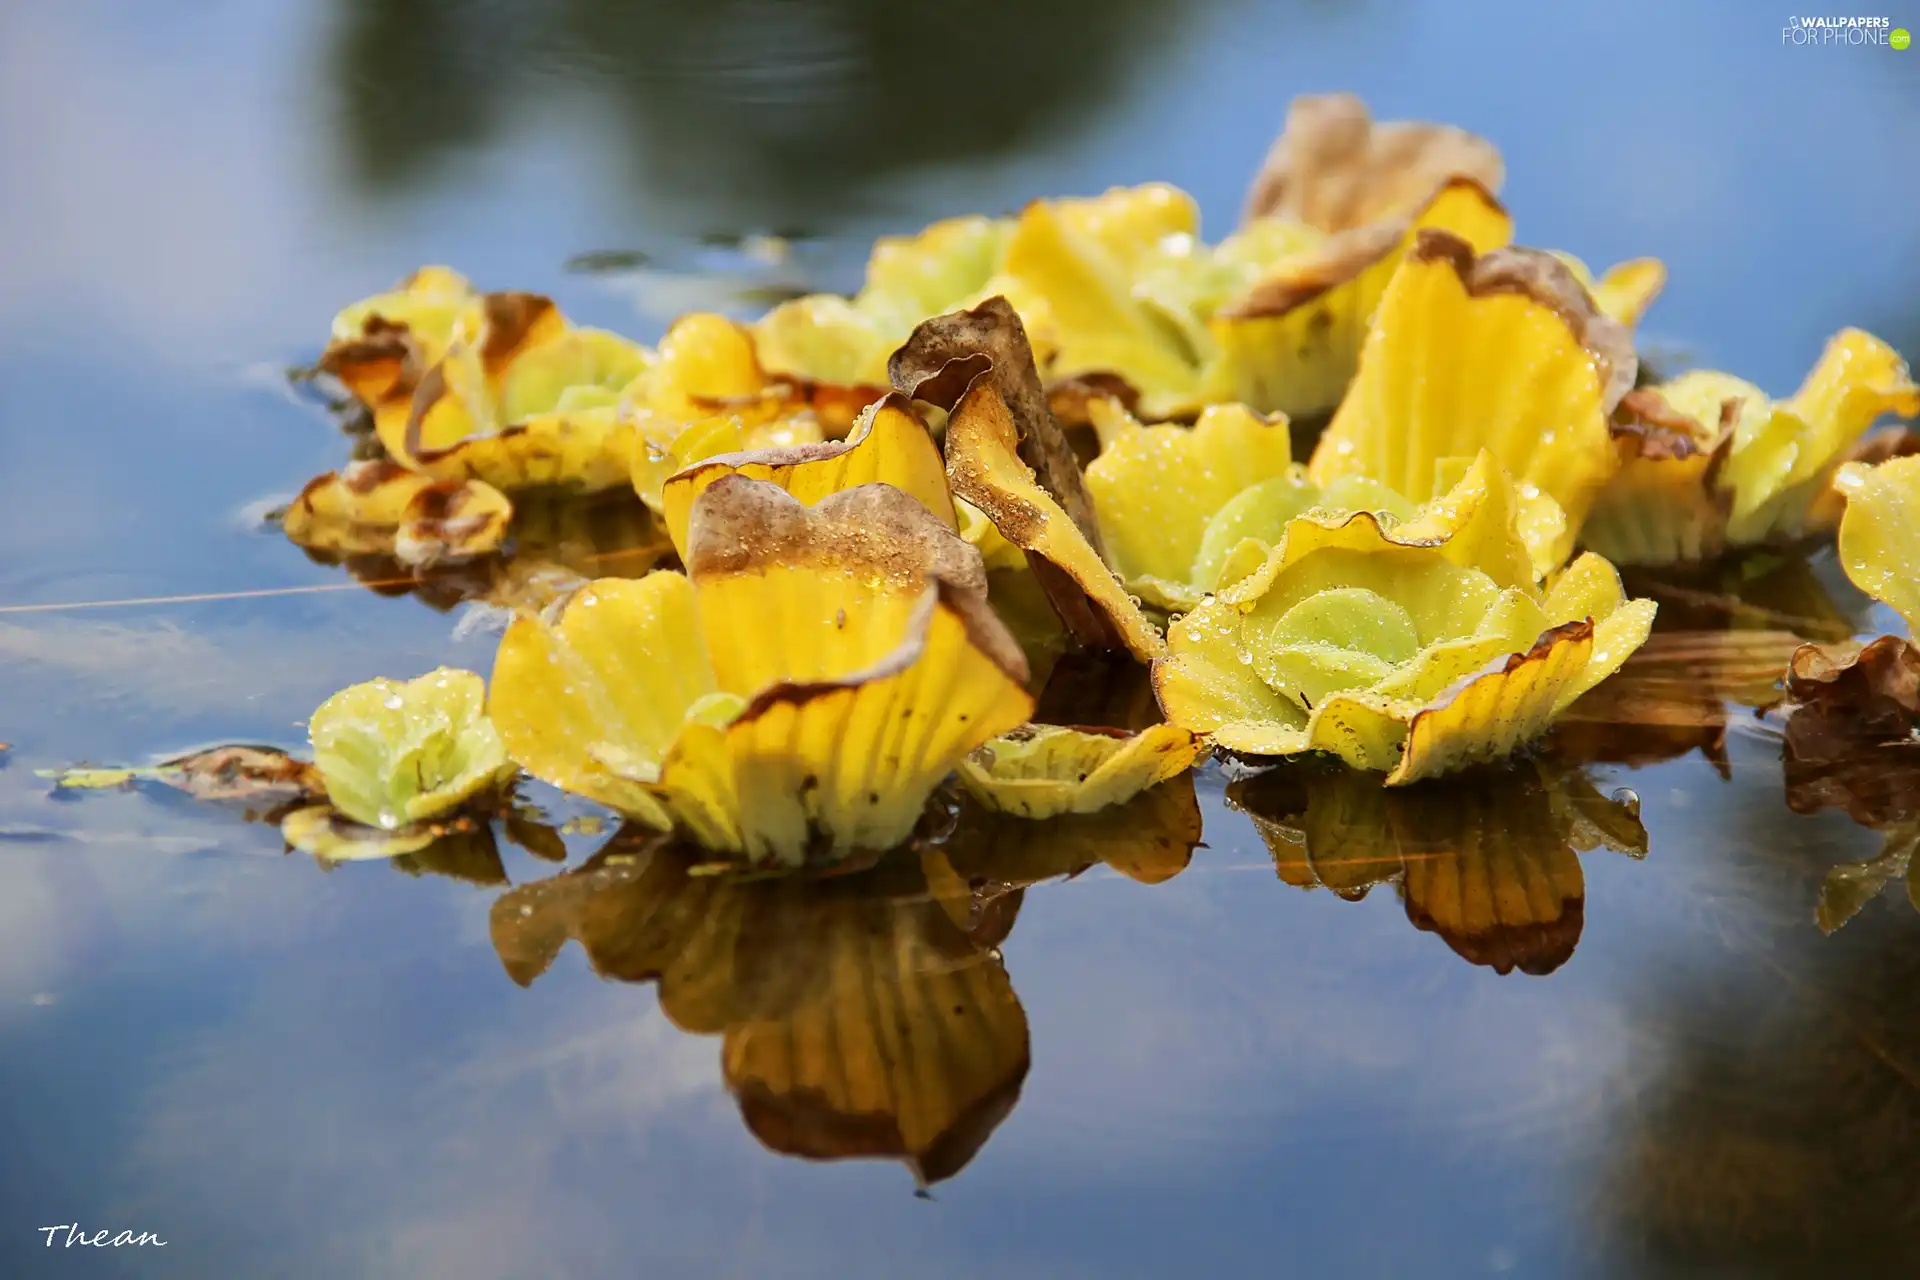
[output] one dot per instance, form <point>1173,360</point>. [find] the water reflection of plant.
<point>1489,861</point>
<point>862,1015</point>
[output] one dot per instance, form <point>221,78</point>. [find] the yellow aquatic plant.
<point>793,699</point>
<point>396,757</point>
<point>707,394</point>
<point>378,507</point>
<point>1120,285</point>
<point>1710,463</point>
<point>1043,771</point>
<point>1502,351</point>
<point>1120,290</point>
<point>1412,649</point>
<point>1185,510</point>
<point>1880,533</point>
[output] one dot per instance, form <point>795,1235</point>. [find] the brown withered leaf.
<point>256,776</point>
<point>1489,861</point>
<point>1334,168</point>
<point>943,357</point>
<point>1850,731</point>
<point>858,1016</point>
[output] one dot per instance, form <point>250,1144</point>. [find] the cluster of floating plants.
<point>882,529</point>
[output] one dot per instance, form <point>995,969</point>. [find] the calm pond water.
<point>388,1070</point>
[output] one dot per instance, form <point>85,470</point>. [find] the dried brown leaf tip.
<point>1007,456</point>
<point>1851,731</point>
<point>1335,168</point>
<point>944,356</point>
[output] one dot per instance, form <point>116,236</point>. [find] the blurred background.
<point>310,1075</point>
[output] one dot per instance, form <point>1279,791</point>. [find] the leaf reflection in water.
<point>1489,862</point>
<point>863,1015</point>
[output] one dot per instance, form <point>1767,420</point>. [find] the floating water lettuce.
<point>1119,287</point>
<point>1489,863</point>
<point>398,759</point>
<point>378,507</point>
<point>1412,649</point>
<point>1186,510</point>
<point>1503,351</point>
<point>382,346</point>
<point>1710,463</point>
<point>793,699</point>
<point>1043,771</point>
<point>1880,533</point>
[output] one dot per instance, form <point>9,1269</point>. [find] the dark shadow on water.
<point>780,107</point>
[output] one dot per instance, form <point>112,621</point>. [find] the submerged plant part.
<point>1489,862</point>
<point>1504,352</point>
<point>396,757</point>
<point>1413,649</point>
<point>1043,771</point>
<point>793,699</point>
<point>1709,463</point>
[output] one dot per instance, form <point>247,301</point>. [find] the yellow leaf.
<point>1502,352</point>
<point>1042,771</point>
<point>984,467</point>
<point>888,445</point>
<point>1880,533</point>
<point>795,699</point>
